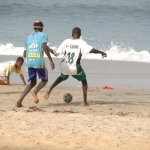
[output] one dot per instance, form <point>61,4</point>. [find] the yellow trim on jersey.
<point>33,55</point>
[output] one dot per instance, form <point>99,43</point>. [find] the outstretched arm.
<point>95,51</point>
<point>50,50</point>
<point>46,50</point>
<point>22,77</point>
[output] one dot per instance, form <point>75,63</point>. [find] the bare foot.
<point>47,93</point>
<point>84,104</point>
<point>18,104</point>
<point>36,100</point>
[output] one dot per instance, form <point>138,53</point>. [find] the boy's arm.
<point>7,80</point>
<point>24,53</point>
<point>59,50</point>
<point>50,50</point>
<point>22,77</point>
<point>95,51</point>
<point>25,48</point>
<point>46,50</point>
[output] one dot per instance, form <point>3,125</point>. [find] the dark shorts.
<point>42,73</point>
<point>80,77</point>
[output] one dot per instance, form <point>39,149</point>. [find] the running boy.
<point>35,46</point>
<point>73,49</point>
<point>8,67</point>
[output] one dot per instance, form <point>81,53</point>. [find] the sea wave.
<point>114,52</point>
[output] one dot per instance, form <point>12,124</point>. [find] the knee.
<point>63,79</point>
<point>45,81</point>
<point>33,82</point>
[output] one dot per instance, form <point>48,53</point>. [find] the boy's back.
<point>73,51</point>
<point>34,51</point>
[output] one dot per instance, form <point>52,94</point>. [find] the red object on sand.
<point>107,87</point>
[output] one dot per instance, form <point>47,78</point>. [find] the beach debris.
<point>33,109</point>
<point>14,110</point>
<point>139,129</point>
<point>56,111</point>
<point>108,87</point>
<point>121,114</point>
<point>63,111</point>
<point>3,110</point>
<point>97,88</point>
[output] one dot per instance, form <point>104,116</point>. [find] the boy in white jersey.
<point>73,49</point>
<point>8,67</point>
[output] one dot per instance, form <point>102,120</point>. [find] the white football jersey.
<point>73,51</point>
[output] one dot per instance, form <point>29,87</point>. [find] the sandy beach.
<point>116,119</point>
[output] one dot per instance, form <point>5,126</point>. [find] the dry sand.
<point>117,119</point>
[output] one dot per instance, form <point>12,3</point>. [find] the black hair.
<point>20,59</point>
<point>38,29</point>
<point>76,30</point>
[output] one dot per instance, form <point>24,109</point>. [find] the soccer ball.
<point>67,97</point>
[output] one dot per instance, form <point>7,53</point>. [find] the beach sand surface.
<point>117,119</point>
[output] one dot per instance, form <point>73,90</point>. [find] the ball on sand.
<point>67,97</point>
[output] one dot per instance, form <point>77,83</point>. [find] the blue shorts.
<point>42,73</point>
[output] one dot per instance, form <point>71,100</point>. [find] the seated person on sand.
<point>73,49</point>
<point>8,67</point>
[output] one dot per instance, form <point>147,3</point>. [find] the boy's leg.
<point>38,88</point>
<point>26,91</point>
<point>58,80</point>
<point>82,77</point>
<point>32,77</point>
<point>2,82</point>
<point>43,75</point>
<point>85,87</point>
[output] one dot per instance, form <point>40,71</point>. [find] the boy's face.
<point>19,64</point>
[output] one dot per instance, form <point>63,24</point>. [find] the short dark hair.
<point>76,30</point>
<point>20,59</point>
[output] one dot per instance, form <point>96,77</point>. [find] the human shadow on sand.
<point>93,103</point>
<point>10,92</point>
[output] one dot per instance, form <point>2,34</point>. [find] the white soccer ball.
<point>67,97</point>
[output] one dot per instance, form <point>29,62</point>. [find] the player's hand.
<point>104,55</point>
<point>52,65</point>
<point>51,51</point>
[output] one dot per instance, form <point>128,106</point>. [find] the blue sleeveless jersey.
<point>34,51</point>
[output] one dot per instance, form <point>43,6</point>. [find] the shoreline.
<point>83,58</point>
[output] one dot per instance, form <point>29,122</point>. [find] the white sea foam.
<point>114,52</point>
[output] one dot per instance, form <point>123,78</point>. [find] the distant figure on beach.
<point>73,49</point>
<point>35,46</point>
<point>8,67</point>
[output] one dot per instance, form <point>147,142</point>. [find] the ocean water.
<point>121,28</point>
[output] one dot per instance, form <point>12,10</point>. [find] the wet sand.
<point>117,74</point>
<point>117,119</point>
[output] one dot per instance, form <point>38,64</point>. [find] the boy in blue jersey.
<point>35,46</point>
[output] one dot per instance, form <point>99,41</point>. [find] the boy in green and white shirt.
<point>73,49</point>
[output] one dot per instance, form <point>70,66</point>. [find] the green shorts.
<point>80,77</point>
